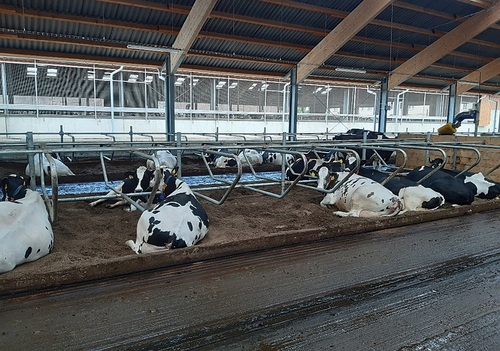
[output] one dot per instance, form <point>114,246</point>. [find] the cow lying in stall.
<point>220,161</point>
<point>177,221</point>
<point>276,158</point>
<point>313,164</point>
<point>454,190</point>
<point>141,180</point>
<point>61,168</point>
<point>165,158</point>
<point>25,231</point>
<point>482,187</point>
<point>414,197</point>
<point>254,157</point>
<point>358,196</point>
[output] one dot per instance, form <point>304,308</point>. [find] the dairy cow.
<point>253,156</point>
<point>358,196</point>
<point>220,161</point>
<point>453,189</point>
<point>414,197</point>
<point>61,168</point>
<point>482,187</point>
<point>25,231</point>
<point>177,221</point>
<point>165,158</point>
<point>141,180</point>
<point>276,158</point>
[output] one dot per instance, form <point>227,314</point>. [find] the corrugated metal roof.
<point>144,26</point>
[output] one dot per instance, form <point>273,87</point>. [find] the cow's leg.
<point>118,203</point>
<point>100,201</point>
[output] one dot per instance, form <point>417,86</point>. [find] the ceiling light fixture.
<point>153,48</point>
<point>350,70</point>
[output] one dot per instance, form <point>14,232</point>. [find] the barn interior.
<point>102,85</point>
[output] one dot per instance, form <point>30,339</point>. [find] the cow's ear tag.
<point>5,187</point>
<point>164,187</point>
<point>313,174</point>
<point>130,177</point>
<point>341,161</point>
<point>439,164</point>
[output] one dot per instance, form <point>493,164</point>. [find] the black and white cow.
<point>25,231</point>
<point>61,168</point>
<point>177,221</point>
<point>357,135</point>
<point>482,187</point>
<point>141,180</point>
<point>165,158</point>
<point>414,197</point>
<point>220,161</point>
<point>358,196</point>
<point>254,157</point>
<point>313,164</point>
<point>453,189</point>
<point>276,158</point>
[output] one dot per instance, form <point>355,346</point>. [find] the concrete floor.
<point>428,286</point>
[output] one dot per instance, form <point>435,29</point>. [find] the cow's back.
<point>26,233</point>
<point>178,221</point>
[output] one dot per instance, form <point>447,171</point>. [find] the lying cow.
<point>141,180</point>
<point>177,221</point>
<point>253,156</point>
<point>276,158</point>
<point>482,187</point>
<point>414,197</point>
<point>165,158</point>
<point>61,168</point>
<point>25,231</point>
<point>454,190</point>
<point>358,196</point>
<point>313,164</point>
<point>220,161</point>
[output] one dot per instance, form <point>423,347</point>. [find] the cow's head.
<point>145,179</point>
<point>436,162</point>
<point>326,178</point>
<point>13,187</point>
<point>170,181</point>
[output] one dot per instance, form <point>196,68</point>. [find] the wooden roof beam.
<point>387,24</point>
<point>11,10</point>
<point>189,31</point>
<point>458,36</point>
<point>479,76</point>
<point>341,34</point>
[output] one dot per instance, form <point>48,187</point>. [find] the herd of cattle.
<point>179,220</point>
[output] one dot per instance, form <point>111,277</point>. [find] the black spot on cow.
<point>383,200</point>
<point>370,195</point>
<point>199,224</point>
<point>152,223</point>
<point>174,204</point>
<point>432,203</point>
<point>155,212</point>
<point>38,251</point>
<point>190,226</point>
<point>46,228</point>
<point>28,252</point>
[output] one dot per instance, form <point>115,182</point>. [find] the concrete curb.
<point>141,263</point>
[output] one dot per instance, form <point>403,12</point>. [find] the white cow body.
<point>61,168</point>
<point>253,156</point>
<point>420,198</point>
<point>25,231</point>
<point>359,196</point>
<point>178,221</point>
<point>166,159</point>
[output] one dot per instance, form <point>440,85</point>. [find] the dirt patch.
<point>90,242</point>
